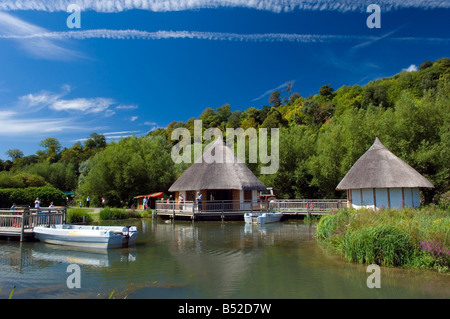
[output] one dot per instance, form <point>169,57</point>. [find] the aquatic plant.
<point>390,237</point>
<point>439,252</point>
<point>383,245</point>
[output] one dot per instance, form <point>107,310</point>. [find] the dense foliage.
<point>410,237</point>
<point>27,196</point>
<point>321,136</point>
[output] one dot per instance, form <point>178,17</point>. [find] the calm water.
<point>206,260</point>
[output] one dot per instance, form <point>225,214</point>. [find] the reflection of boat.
<point>96,257</point>
<point>262,218</point>
<point>87,236</point>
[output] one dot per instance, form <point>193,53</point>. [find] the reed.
<point>388,237</point>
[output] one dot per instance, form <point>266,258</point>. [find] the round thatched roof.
<point>218,168</point>
<point>379,168</point>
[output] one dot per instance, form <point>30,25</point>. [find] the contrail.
<point>215,36</point>
<point>157,35</point>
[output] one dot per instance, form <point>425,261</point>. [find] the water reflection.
<point>206,260</point>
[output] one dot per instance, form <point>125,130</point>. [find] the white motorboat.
<point>87,236</point>
<point>262,218</point>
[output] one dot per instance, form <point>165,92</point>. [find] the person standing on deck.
<point>199,201</point>
<point>180,202</point>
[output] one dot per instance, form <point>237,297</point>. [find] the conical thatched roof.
<point>379,168</point>
<point>218,168</point>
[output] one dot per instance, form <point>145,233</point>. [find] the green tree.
<point>52,152</point>
<point>14,153</point>
<point>275,99</point>
<point>327,92</point>
<point>130,167</point>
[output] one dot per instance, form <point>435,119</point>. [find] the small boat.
<point>87,236</point>
<point>262,218</point>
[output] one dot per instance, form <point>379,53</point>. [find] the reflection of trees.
<point>219,256</point>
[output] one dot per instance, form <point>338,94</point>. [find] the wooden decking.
<point>20,223</point>
<point>235,210</point>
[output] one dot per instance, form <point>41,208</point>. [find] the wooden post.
<point>24,218</point>
<point>374,199</point>
<point>389,197</point>
<point>403,197</point>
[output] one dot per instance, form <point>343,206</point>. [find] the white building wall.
<point>367,198</point>
<point>356,198</point>
<point>381,195</point>
<point>395,198</point>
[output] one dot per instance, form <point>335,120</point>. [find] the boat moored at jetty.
<point>262,218</point>
<point>87,236</point>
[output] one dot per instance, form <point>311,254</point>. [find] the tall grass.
<point>388,237</point>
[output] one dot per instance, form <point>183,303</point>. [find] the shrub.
<point>109,213</point>
<point>46,194</point>
<point>75,215</point>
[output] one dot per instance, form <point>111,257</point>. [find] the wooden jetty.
<point>235,210</point>
<point>20,223</point>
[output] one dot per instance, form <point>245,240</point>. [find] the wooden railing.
<point>309,206</point>
<point>208,206</point>
<point>28,218</point>
<point>286,206</point>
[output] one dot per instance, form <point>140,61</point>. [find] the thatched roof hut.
<point>219,175</point>
<point>381,179</point>
<point>218,168</point>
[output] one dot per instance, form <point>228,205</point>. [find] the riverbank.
<point>418,238</point>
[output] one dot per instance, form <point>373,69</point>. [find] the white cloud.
<point>126,107</point>
<point>48,112</point>
<point>180,5</point>
<point>13,124</point>
<point>56,102</point>
<point>411,68</point>
<point>134,118</point>
<point>40,47</point>
<point>84,105</point>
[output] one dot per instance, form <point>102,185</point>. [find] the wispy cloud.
<point>57,102</point>
<point>13,124</point>
<point>41,47</point>
<point>279,87</point>
<point>181,5</point>
<point>54,112</point>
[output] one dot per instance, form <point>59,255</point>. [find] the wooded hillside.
<point>321,136</point>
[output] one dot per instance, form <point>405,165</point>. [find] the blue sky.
<point>134,66</point>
